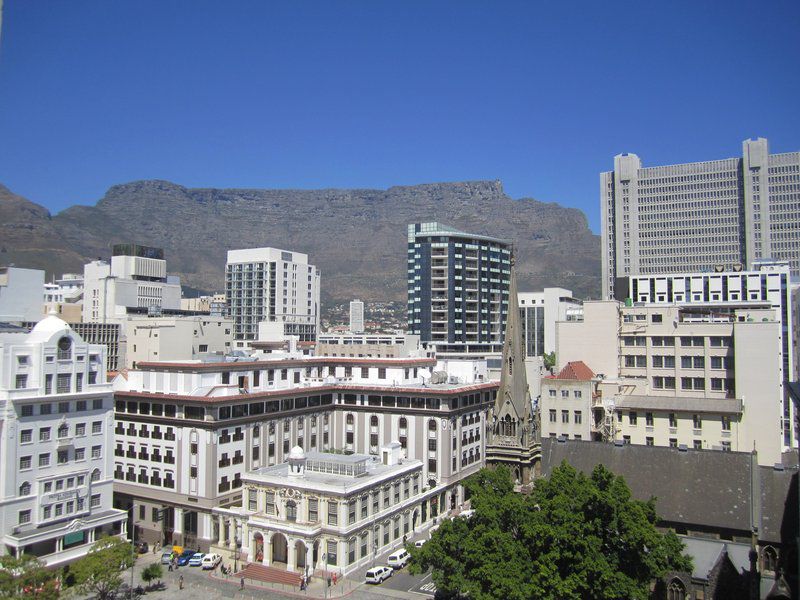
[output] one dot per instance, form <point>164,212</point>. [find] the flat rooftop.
<point>338,473</point>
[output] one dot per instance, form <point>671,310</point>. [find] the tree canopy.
<point>27,577</point>
<point>100,571</point>
<point>573,536</point>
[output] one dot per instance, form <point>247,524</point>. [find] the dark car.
<point>141,547</point>
<point>183,559</point>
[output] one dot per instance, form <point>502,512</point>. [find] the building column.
<point>291,558</point>
<point>245,536</point>
<point>177,522</point>
<point>309,556</point>
<point>60,544</point>
<point>221,532</point>
<point>267,548</point>
<point>91,535</point>
<point>232,534</point>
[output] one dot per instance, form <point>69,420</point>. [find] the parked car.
<point>378,574</point>
<point>398,559</point>
<point>210,561</point>
<point>197,559</point>
<point>166,556</point>
<point>141,547</point>
<point>183,559</point>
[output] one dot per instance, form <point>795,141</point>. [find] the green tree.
<point>27,577</point>
<point>152,572</point>
<point>100,572</point>
<point>573,536</point>
<point>549,360</point>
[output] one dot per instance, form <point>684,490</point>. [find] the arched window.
<point>676,590</point>
<point>350,419</point>
<point>432,425</point>
<point>63,430</point>
<point>769,559</point>
<point>25,489</point>
<point>300,423</point>
<point>286,425</point>
<point>373,421</point>
<point>65,348</point>
<point>96,475</point>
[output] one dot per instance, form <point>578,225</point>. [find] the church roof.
<point>577,370</point>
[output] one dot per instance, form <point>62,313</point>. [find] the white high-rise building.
<point>692,217</point>
<point>274,291</point>
<point>356,316</point>
<point>539,313</point>
<point>56,462</point>
<point>136,278</point>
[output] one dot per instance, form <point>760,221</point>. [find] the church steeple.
<point>514,428</point>
<point>513,398</point>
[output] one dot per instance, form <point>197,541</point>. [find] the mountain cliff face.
<point>357,237</point>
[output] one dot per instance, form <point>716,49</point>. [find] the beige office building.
<point>703,377</point>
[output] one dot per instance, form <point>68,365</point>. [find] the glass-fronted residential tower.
<point>457,288</point>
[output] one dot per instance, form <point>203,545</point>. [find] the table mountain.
<point>357,237</point>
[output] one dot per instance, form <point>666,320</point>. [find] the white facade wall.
<point>539,326</point>
<point>356,316</point>
<point>268,284</point>
<point>21,294</point>
<point>176,338</point>
<point>56,488</point>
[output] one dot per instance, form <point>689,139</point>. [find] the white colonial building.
<point>56,415</point>
<point>189,432</point>
<point>329,511</point>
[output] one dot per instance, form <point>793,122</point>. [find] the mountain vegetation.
<point>358,238</point>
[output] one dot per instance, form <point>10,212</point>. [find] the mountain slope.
<point>357,237</point>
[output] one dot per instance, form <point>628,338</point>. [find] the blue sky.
<point>373,94</point>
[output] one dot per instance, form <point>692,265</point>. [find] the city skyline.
<point>314,96</point>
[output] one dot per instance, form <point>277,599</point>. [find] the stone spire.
<point>513,438</point>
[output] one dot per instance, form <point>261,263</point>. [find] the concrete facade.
<point>187,432</point>
<point>136,277</point>
<point>692,217</point>
<point>457,289</point>
<point>176,338</point>
<point>56,485</point>
<point>21,294</point>
<point>357,316</point>
<point>274,287</point>
<point>540,311</point>
<point>696,376</point>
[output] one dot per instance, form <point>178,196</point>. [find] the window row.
<point>65,407</point>
<point>62,457</point>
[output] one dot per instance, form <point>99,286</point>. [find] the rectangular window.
<point>44,460</point>
<point>649,441</point>
<point>97,427</point>
<point>577,417</point>
<point>697,422</point>
<point>44,434</point>
<point>95,501</point>
<point>552,415</point>
<point>80,429</point>
<point>673,421</point>
<point>313,510</point>
<point>80,453</point>
<point>24,517</point>
<point>63,383</point>
<point>648,419</point>
<point>269,506</point>
<point>24,462</point>
<point>565,416</point>
<point>96,451</point>
<point>632,417</point>
<point>21,382</point>
<point>332,545</point>
<point>726,423</point>
<point>26,436</point>
<point>333,512</point>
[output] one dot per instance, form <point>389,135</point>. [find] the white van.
<point>398,559</point>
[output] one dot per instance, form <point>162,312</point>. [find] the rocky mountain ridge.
<point>357,237</point>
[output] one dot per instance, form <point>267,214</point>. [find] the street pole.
<point>133,545</point>
<point>325,573</point>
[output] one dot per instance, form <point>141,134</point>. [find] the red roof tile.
<point>576,370</point>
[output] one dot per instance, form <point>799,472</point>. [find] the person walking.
<point>180,582</point>
<point>241,583</point>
